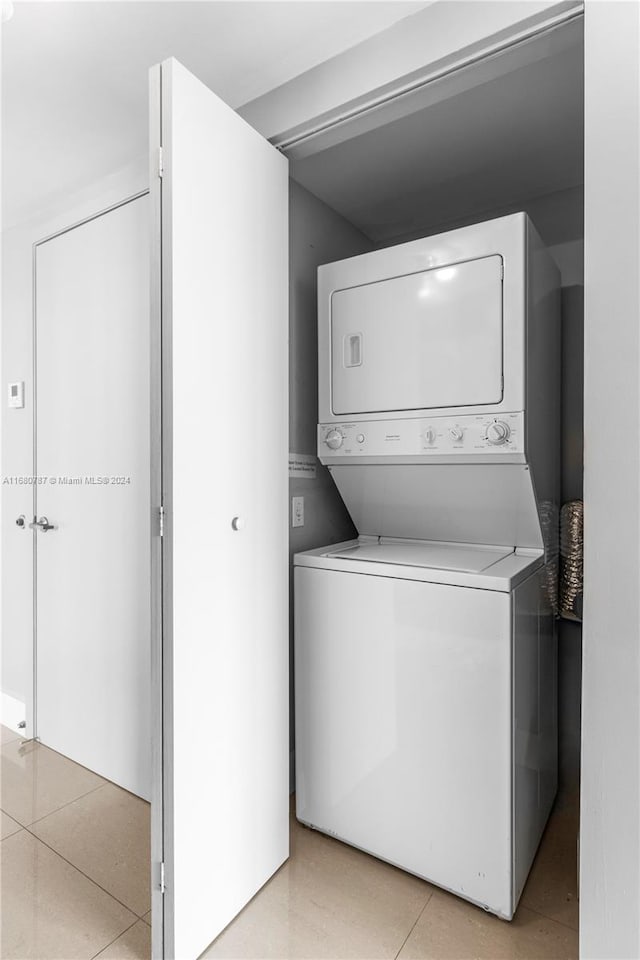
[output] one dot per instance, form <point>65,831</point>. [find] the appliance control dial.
<point>334,439</point>
<point>456,433</point>
<point>498,432</point>
<point>429,435</point>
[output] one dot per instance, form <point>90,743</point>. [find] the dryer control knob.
<point>456,434</point>
<point>334,439</point>
<point>498,432</point>
<point>429,435</point>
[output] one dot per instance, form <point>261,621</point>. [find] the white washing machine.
<point>425,650</point>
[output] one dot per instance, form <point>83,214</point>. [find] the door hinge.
<point>163,885</point>
<point>161,516</point>
<point>160,163</point>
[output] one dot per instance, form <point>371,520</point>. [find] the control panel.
<point>440,436</point>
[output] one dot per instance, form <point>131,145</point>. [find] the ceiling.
<point>514,137</point>
<point>74,74</point>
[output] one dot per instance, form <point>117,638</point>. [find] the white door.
<point>428,339</point>
<point>92,456</point>
<point>220,451</point>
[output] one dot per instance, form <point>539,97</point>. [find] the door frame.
<point>31,705</point>
<point>160,481</point>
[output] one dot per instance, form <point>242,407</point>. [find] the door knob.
<point>42,524</point>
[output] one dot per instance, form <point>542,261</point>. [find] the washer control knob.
<point>456,434</point>
<point>429,435</point>
<point>498,432</point>
<point>334,439</point>
<point>360,438</point>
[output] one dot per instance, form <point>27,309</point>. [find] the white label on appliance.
<point>302,465</point>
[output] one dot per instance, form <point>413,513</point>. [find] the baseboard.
<point>12,713</point>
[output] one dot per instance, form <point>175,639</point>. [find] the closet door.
<point>91,537</point>
<point>219,440</point>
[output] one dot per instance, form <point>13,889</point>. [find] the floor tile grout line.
<point>9,835</point>
<point>39,744</point>
<point>402,945</point>
<point>11,818</point>
<point>537,912</point>
<point>85,875</point>
<point>546,916</point>
<point>111,942</point>
<point>58,809</point>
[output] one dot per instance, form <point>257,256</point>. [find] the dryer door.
<point>426,340</point>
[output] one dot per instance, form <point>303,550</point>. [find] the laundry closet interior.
<point>500,136</point>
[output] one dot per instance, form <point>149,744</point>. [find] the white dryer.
<point>425,655</point>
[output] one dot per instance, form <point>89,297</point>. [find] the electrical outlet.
<point>297,511</point>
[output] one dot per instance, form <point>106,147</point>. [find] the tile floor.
<point>74,857</point>
<point>74,854</point>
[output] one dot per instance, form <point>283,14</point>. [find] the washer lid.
<point>464,558</point>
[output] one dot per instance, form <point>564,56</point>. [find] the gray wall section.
<point>558,217</point>
<point>317,235</point>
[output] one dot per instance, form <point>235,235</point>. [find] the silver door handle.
<point>42,524</point>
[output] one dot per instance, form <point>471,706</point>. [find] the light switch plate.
<point>297,511</point>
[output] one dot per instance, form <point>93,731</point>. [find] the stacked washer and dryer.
<point>425,650</point>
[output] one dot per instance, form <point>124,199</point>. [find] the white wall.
<point>17,425</point>
<point>610,808</point>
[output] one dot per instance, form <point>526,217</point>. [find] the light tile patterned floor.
<point>75,857</point>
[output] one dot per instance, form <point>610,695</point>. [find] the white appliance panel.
<point>535,720</point>
<point>506,239</point>
<point>502,575</point>
<point>436,439</point>
<point>467,503</point>
<point>403,725</point>
<point>431,339</point>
